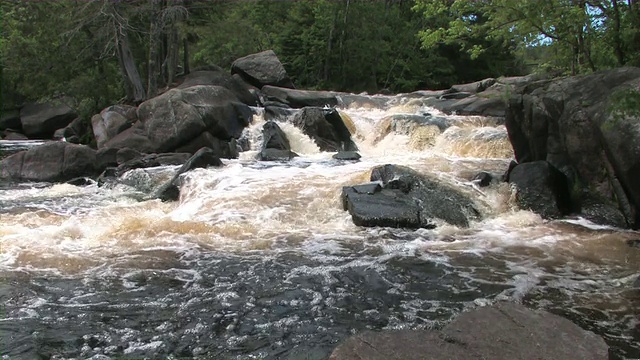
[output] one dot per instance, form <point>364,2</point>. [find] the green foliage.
<point>624,104</point>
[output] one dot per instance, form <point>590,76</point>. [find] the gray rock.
<point>180,115</point>
<point>569,123</point>
<point>220,78</point>
<point>276,155</point>
<point>112,121</point>
<point>10,120</point>
<point>50,162</point>
<point>474,87</point>
<point>501,332</point>
<point>262,69</point>
<point>347,155</point>
<point>41,120</point>
<point>300,98</point>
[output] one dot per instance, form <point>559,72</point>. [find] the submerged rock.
<point>203,158</point>
<point>276,155</point>
<point>347,155</point>
<point>505,331</point>
<point>407,199</point>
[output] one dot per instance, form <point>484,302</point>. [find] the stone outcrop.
<point>505,331</point>
<point>112,121</point>
<point>51,162</point>
<point>300,98</point>
<point>262,69</point>
<point>275,145</point>
<point>219,77</point>
<point>401,197</point>
<point>41,120</point>
<point>579,126</point>
<point>326,128</point>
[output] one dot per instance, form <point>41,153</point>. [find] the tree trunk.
<point>617,46</point>
<point>135,89</point>
<point>185,54</point>
<point>155,29</point>
<point>173,49</point>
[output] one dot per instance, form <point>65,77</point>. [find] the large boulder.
<point>506,331</point>
<point>51,162</point>
<point>133,138</point>
<point>226,149</point>
<point>300,98</point>
<point>79,131</point>
<point>178,116</point>
<point>541,188</point>
<point>474,87</point>
<point>10,120</point>
<point>580,125</point>
<point>41,120</point>
<point>262,69</point>
<point>407,198</point>
<point>275,144</point>
<point>326,128</point>
<point>112,121</point>
<point>220,78</point>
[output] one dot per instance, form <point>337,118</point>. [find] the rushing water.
<point>259,261</point>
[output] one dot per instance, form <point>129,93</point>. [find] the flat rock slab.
<point>506,331</point>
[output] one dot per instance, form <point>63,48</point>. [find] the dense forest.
<point>104,51</point>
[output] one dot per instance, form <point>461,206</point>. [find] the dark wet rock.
<point>436,199</point>
<point>152,160</point>
<point>107,157</point>
<point>79,131</point>
<point>134,138</point>
<point>226,149</point>
<point>203,158</point>
<point>126,154</point>
<point>220,78</point>
<point>111,121</point>
<point>507,173</point>
<point>300,98</point>
<point>455,95</point>
<point>262,69</point>
<point>569,122</point>
<point>348,100</point>
<point>13,135</point>
<point>41,120</point>
<point>383,208</point>
<point>635,243</point>
<point>347,155</point>
<point>601,211</point>
<point>272,112</point>
<point>429,93</point>
<point>180,115</point>
<point>10,120</point>
<point>81,181</point>
<point>51,162</point>
<point>636,284</point>
<point>506,331</point>
<point>541,188</point>
<point>474,87</point>
<point>326,128</point>
<point>471,105</point>
<point>108,176</point>
<point>483,178</point>
<point>276,155</point>
<point>273,137</point>
<point>409,199</point>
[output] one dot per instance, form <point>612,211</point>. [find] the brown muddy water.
<point>259,261</point>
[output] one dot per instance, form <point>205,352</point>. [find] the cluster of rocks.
<point>574,155</point>
<point>208,109</point>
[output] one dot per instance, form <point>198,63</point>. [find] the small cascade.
<point>262,254</point>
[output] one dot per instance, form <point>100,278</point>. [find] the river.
<point>257,260</point>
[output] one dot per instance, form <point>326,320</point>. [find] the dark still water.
<point>258,261</point>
